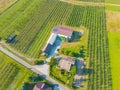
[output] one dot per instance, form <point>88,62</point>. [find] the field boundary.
<point>89,3</point>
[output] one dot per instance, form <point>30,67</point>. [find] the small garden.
<point>77,47</point>
<point>61,75</point>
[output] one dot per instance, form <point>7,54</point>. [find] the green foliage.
<point>0,38</point>
<point>60,74</point>
<point>11,73</point>
<point>52,61</point>
<point>75,16</point>
<point>73,70</point>
<point>77,51</point>
<point>38,62</point>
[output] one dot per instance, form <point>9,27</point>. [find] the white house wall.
<point>52,38</point>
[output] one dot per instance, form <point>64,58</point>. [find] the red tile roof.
<point>66,63</point>
<point>41,86</point>
<point>63,31</point>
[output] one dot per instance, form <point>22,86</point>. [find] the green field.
<point>33,20</point>
<point>112,8</point>
<point>91,0</point>
<point>113,1</point>
<point>12,74</point>
<point>5,4</point>
<point>33,23</point>
<point>114,48</point>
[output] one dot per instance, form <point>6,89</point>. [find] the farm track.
<point>88,3</point>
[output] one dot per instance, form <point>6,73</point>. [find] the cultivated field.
<point>12,74</point>
<point>113,1</point>
<point>114,48</point>
<point>4,4</point>
<point>113,8</point>
<point>113,27</point>
<point>34,22</point>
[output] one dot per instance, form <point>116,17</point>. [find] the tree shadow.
<point>82,52</point>
<point>87,71</point>
<point>75,37</point>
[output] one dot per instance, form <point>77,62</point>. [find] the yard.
<point>78,45</point>
<point>61,75</point>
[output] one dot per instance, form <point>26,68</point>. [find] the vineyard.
<point>93,18</point>
<point>12,75</point>
<point>34,22</point>
<point>100,77</point>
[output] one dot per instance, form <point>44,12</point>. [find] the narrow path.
<point>89,3</point>
<point>19,60</point>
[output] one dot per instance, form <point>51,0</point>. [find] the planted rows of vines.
<point>12,75</point>
<point>93,18</point>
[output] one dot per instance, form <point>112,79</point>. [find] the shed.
<point>10,39</point>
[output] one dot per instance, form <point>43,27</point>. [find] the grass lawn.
<point>4,4</point>
<point>114,47</point>
<point>12,74</point>
<point>75,46</point>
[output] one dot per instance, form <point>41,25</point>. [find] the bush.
<point>38,62</point>
<point>73,70</point>
<point>0,38</point>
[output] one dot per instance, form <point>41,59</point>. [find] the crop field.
<point>114,45</point>
<point>12,74</point>
<point>4,4</point>
<point>113,8</point>
<point>34,22</point>
<point>100,78</point>
<point>113,1</point>
<point>91,0</point>
<point>94,21</point>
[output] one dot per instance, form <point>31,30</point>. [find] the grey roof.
<point>52,38</point>
<point>48,49</point>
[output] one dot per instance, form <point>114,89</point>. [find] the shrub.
<point>38,62</point>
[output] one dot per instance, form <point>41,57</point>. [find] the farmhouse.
<point>41,86</point>
<point>63,31</point>
<point>66,64</point>
<point>57,32</point>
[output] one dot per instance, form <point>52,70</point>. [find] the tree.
<point>0,38</point>
<point>73,70</point>
<point>71,54</point>
<point>38,62</point>
<point>52,61</point>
